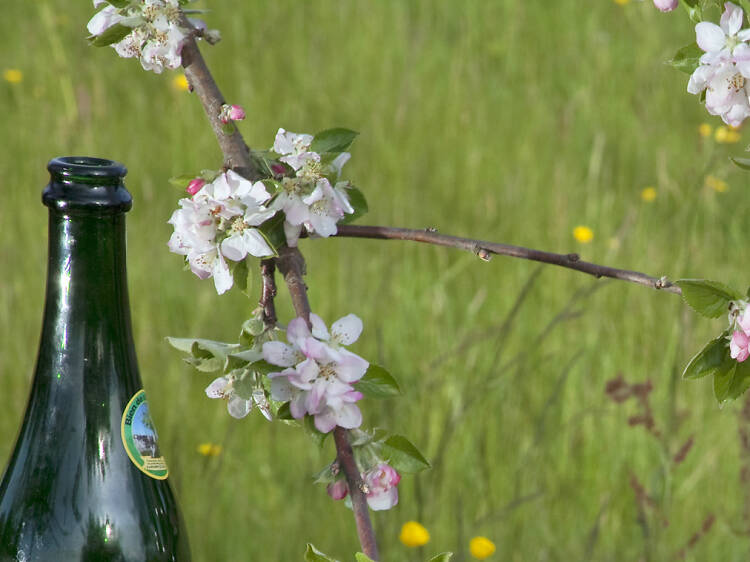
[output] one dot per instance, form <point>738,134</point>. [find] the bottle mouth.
<point>86,183</point>
<point>86,169</point>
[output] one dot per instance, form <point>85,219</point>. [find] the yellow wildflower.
<point>209,449</point>
<point>583,234</point>
<point>648,194</point>
<point>12,75</point>
<point>725,135</point>
<point>180,83</point>
<point>621,2</point>
<point>481,547</point>
<point>704,130</point>
<point>414,534</point>
<point>716,184</point>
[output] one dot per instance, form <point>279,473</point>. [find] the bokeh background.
<point>504,120</point>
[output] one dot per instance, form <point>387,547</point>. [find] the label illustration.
<point>140,439</point>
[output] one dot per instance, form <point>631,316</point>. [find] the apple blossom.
<point>156,38</point>
<point>218,223</point>
<point>381,482</point>
<point>338,489</point>
<point>319,372</point>
<point>739,346</point>
<point>724,67</point>
<point>238,407</point>
<point>666,5</point>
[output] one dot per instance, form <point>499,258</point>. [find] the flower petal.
<point>279,353</point>
<point>709,36</point>
<point>346,330</point>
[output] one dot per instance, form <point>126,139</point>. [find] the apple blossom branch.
<point>290,262</point>
<point>484,251</point>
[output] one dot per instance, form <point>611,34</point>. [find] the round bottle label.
<point>140,439</point>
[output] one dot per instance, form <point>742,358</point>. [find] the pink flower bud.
<point>231,113</point>
<point>195,186</point>
<point>666,5</point>
<point>278,169</point>
<point>337,490</point>
<point>236,113</point>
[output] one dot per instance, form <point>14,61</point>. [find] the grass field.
<point>504,120</point>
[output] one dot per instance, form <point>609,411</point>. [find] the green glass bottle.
<point>86,481</point>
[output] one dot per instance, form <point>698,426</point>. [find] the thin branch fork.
<point>484,251</point>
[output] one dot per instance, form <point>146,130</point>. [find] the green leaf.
<point>403,455</point>
<point>312,554</point>
<point>694,10</point>
<point>377,383</point>
<point>113,34</point>
<point>181,181</point>
<point>361,557</point>
<point>119,3</point>
<point>240,274</point>
<point>687,59</point>
<point>203,348</point>
<point>284,413</point>
<point>743,163</point>
<point>442,557</point>
<point>708,359</point>
<point>709,298</point>
<point>358,203</point>
<point>228,128</point>
<point>308,423</point>
<point>273,231</point>
<point>333,140</point>
<point>731,380</point>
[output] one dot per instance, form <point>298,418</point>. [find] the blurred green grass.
<point>510,121</point>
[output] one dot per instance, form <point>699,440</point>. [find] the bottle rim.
<point>86,169</point>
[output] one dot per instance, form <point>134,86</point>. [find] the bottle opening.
<point>86,169</point>
<point>86,182</point>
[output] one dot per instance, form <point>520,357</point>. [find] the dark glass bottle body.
<point>70,491</point>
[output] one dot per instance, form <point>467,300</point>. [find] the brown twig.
<point>233,147</point>
<point>357,490</point>
<point>484,250</point>
<point>290,262</point>
<point>268,291</point>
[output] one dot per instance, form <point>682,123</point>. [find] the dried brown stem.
<point>268,291</point>
<point>290,262</point>
<point>485,249</point>
<point>357,490</point>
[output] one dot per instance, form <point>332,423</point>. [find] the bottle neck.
<point>86,306</point>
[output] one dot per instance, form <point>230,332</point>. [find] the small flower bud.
<point>231,113</point>
<point>337,490</point>
<point>666,5</point>
<point>195,186</point>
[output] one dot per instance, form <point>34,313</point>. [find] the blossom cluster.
<point>319,372</point>
<point>219,223</point>
<point>156,37</point>
<point>380,487</point>
<point>724,67</point>
<point>308,199</point>
<point>739,325</point>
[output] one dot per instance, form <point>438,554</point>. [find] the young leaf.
<point>284,412</point>
<point>403,455</point>
<point>203,348</point>
<point>309,424</point>
<point>708,359</point>
<point>442,557</point>
<point>273,231</point>
<point>113,34</point>
<point>240,274</point>
<point>360,557</point>
<point>743,163</point>
<point>119,3</point>
<point>333,140</point>
<point>687,59</point>
<point>709,298</point>
<point>731,381</point>
<point>181,181</point>
<point>312,554</point>
<point>358,202</point>
<point>377,383</point>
